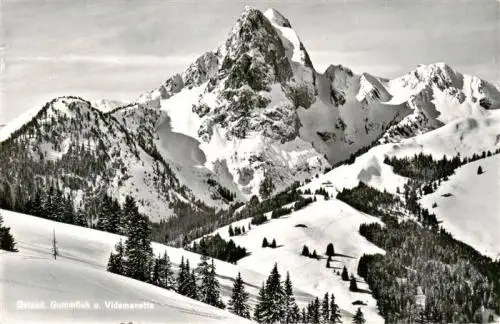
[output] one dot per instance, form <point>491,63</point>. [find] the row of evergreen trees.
<point>237,230</point>
<point>216,247</point>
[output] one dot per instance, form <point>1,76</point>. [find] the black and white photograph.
<point>228,161</point>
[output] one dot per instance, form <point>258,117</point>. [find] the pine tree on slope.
<point>238,304</point>
<point>358,317</point>
<point>345,274</point>
<point>203,271</point>
<point>316,317</point>
<point>334,311</point>
<point>325,308</point>
<point>192,288</point>
<point>163,275</point>
<point>330,251</point>
<point>262,304</point>
<point>275,296</point>
<point>138,251</point>
<point>290,306</point>
<point>353,286</point>
<point>182,277</point>
<point>115,262</point>
<point>210,288</point>
<point>7,242</point>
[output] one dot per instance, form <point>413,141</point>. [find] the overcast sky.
<point>120,49</point>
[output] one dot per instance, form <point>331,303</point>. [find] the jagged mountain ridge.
<point>248,92</point>
<point>255,107</point>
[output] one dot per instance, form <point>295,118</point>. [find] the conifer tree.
<point>203,271</point>
<point>155,275</point>
<point>138,251</point>
<point>290,306</point>
<point>296,314</point>
<point>273,244</point>
<point>305,251</point>
<point>345,274</point>
<point>262,304</point>
<point>330,251</point>
<point>7,241</point>
<point>163,275</point>
<point>192,288</point>
<point>55,249</point>
<point>334,311</point>
<point>275,296</point>
<point>238,304</point>
<point>209,288</point>
<point>231,231</point>
<point>314,255</point>
<point>353,286</point>
<point>325,308</point>
<point>265,243</point>
<point>359,317</point>
<point>104,213</point>
<point>128,213</point>
<point>115,262</point>
<point>182,278</point>
<point>315,311</point>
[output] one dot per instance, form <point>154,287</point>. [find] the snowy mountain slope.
<point>325,221</point>
<point>90,249</point>
<point>468,205</point>
<point>71,145</point>
<point>26,278</point>
<point>464,136</point>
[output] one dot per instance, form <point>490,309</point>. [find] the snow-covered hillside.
<point>84,253</point>
<point>317,225</point>
<point>38,289</point>
<point>471,213</point>
<point>468,205</point>
<point>79,274</point>
<point>465,136</point>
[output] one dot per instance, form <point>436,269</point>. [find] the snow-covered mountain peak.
<point>275,17</point>
<point>439,74</point>
<point>294,49</point>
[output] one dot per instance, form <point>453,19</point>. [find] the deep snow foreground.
<point>34,289</point>
<point>79,274</point>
